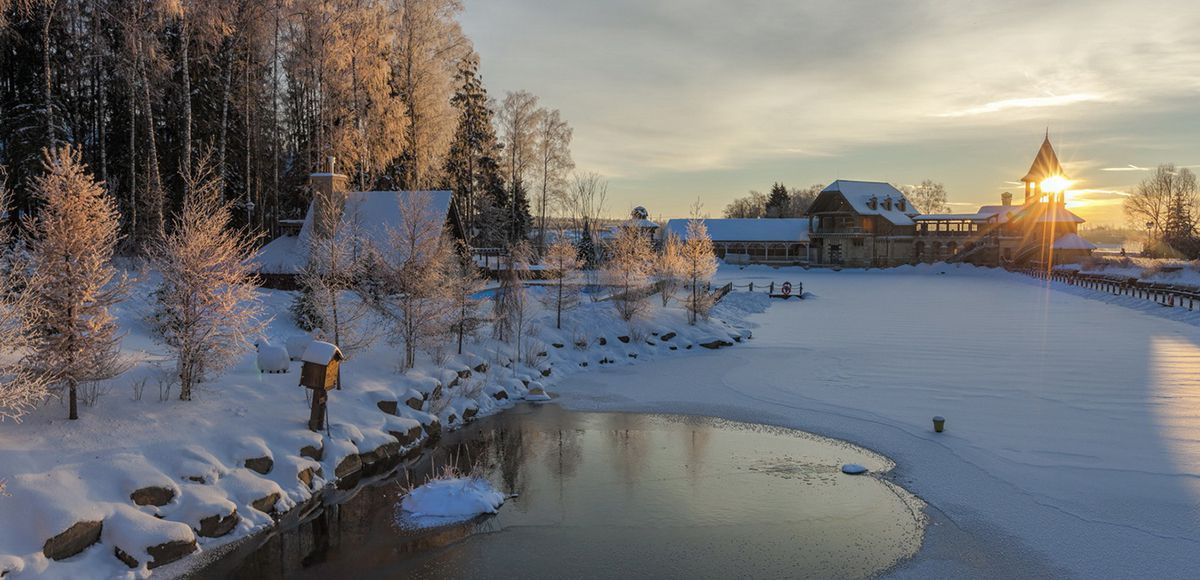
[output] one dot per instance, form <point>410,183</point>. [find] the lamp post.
<point>1146,245</point>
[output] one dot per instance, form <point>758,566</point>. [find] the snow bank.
<point>444,501</point>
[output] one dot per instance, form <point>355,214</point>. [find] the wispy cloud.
<point>1132,167</point>
<point>1026,103</point>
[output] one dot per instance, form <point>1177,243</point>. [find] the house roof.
<point>1073,242</point>
<point>1059,214</point>
<point>859,194</point>
<point>371,214</point>
<point>1044,165</point>
<point>933,217</point>
<point>321,353</point>
<point>788,230</point>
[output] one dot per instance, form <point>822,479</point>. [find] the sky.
<point>683,100</point>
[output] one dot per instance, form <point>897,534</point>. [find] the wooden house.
<point>861,224</point>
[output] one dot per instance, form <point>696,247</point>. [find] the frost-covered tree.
<point>472,164</point>
<point>333,298</point>
<point>669,268</point>
<point>626,270</point>
<point>72,281</point>
<point>552,146</point>
<point>465,282</point>
<point>513,310</point>
<point>206,308</point>
<point>927,197</point>
<point>21,389</point>
<point>518,118</point>
<point>413,271</point>
<point>562,258</point>
<point>699,265</point>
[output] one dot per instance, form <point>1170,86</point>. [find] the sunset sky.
<point>686,99</point>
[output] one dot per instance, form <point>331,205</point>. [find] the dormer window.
<point>902,204</point>
<point>887,203</point>
<point>873,203</point>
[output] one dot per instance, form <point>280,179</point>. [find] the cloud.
<point>1026,103</point>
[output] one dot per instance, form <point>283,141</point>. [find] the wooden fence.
<point>1169,295</point>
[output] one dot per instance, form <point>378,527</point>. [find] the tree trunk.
<point>73,405</point>
<point>47,82</point>
<point>185,156</point>
<point>226,82</point>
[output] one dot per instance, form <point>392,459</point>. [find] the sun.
<point>1055,184</point>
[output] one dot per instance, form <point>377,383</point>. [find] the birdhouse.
<point>320,370</point>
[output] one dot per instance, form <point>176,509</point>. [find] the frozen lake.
<point>619,496</point>
<point>1073,425</point>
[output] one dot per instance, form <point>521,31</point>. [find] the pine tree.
<point>472,167</point>
<point>206,307</point>
<point>777,201</point>
<point>73,283</point>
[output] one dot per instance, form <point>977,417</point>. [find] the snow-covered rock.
<point>444,501</point>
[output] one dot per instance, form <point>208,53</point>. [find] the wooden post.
<point>316,418</point>
<point>752,286</point>
<point>771,290</point>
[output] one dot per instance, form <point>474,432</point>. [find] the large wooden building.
<point>861,224</point>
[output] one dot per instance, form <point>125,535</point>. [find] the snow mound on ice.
<point>444,501</point>
<point>853,469</point>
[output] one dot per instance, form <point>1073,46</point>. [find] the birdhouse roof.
<point>321,353</point>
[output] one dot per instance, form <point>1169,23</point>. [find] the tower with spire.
<point>1045,166</point>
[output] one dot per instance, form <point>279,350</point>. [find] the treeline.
<point>269,90</point>
<point>783,202</point>
<point>1164,207</point>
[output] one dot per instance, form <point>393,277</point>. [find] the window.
<point>858,242</point>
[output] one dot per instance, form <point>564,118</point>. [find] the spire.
<point>1045,164</point>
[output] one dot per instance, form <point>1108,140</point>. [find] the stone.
<point>715,344</point>
<point>434,433</point>
<point>470,413</point>
<point>481,367</point>
<point>262,465</point>
<point>603,341</point>
<point>415,403</point>
<point>308,475</point>
<point>164,554</point>
<point>312,452</point>
<point>125,558</point>
<point>668,336</point>
<point>152,495</point>
<point>218,525</point>
<point>581,344</point>
<point>350,465</point>
<point>437,392</point>
<point>543,354</point>
<point>624,339</point>
<point>651,342</point>
<point>633,355</point>
<point>197,479</point>
<point>558,345</point>
<point>674,347</point>
<point>688,347</point>
<point>407,438</point>
<point>500,395</point>
<point>654,334</point>
<point>546,372</point>
<point>525,382</point>
<point>389,407</point>
<point>451,419</point>
<point>73,540</point>
<point>266,504</point>
<point>583,364</point>
<point>464,374</point>
<point>853,469</point>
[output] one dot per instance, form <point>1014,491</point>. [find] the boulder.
<point>312,452</point>
<point>546,372</point>
<point>415,403</point>
<point>668,336</point>
<point>633,355</point>
<point>389,407</point>
<point>558,345</point>
<point>481,367</point>
<point>603,341</point>
<point>434,433</point>
<point>218,525</point>
<point>500,395</point>
<point>153,495</point>
<point>125,558</point>
<point>164,554</point>
<point>470,413</point>
<point>464,374</point>
<point>350,465</point>
<point>262,465</point>
<point>674,347</point>
<point>624,339</point>
<point>73,540</point>
<point>407,438</point>
<point>715,344</point>
<point>308,475</point>
<point>651,342</point>
<point>583,364</point>
<point>266,504</point>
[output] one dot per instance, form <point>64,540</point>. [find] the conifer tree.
<point>472,165</point>
<point>206,307</point>
<point>777,201</point>
<point>72,281</point>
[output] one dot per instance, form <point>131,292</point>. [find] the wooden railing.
<point>1169,295</point>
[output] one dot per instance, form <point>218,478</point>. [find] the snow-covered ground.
<point>1072,442</point>
<point>223,465</point>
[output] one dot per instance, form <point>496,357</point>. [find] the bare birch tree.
<point>562,258</point>
<point>552,145</point>
<point>627,269</point>
<point>513,311</point>
<point>206,309</point>
<point>21,389</point>
<point>72,281</point>
<point>699,265</point>
<point>465,283</point>
<point>669,267</point>
<point>414,273</point>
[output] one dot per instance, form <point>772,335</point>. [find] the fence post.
<point>771,290</point>
<point>752,286</point>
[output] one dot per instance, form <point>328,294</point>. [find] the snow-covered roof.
<point>933,217</point>
<point>1000,211</point>
<point>1060,214</point>
<point>280,256</point>
<point>642,223</point>
<point>320,353</point>
<point>1073,242</point>
<point>859,194</point>
<point>371,214</point>
<point>747,230</point>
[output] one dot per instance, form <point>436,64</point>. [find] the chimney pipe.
<point>332,162</point>
<point>1006,199</point>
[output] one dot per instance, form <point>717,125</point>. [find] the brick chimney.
<point>1006,199</point>
<point>329,197</point>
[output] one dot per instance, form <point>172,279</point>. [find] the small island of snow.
<point>446,501</point>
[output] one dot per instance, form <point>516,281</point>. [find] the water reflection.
<point>603,495</point>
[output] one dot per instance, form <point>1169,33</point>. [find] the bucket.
<point>939,422</point>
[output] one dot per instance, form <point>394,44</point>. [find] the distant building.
<point>372,215</point>
<point>861,223</point>
<point>757,241</point>
<point>1040,230</point>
